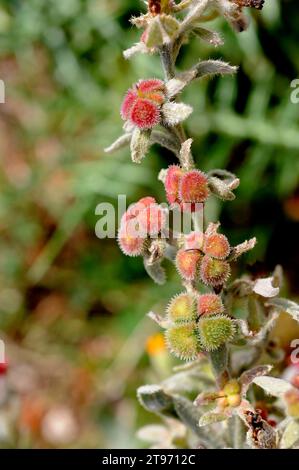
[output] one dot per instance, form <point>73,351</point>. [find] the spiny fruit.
<point>135,209</point>
<point>152,219</point>
<point>194,187</point>
<point>129,244</point>
<point>217,246</point>
<point>194,241</point>
<point>182,340</point>
<point>215,331</point>
<point>214,272</point>
<point>209,304</point>
<point>187,263</point>
<point>182,308</point>
<point>142,103</point>
<point>172,182</point>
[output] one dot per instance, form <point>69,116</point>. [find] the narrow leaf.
<point>264,287</point>
<point>239,250</point>
<point>154,399</point>
<point>139,47</point>
<point>119,143</point>
<point>211,37</point>
<point>248,376</point>
<point>290,435</point>
<point>166,140</point>
<point>273,386</point>
<point>211,418</point>
<point>285,305</point>
<point>155,271</point>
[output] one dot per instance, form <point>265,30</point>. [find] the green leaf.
<point>285,305</point>
<point>154,399</point>
<point>211,418</point>
<point>290,435</point>
<point>273,386</point>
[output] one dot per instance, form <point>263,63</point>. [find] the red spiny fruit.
<point>145,114</point>
<point>136,208</point>
<point>187,263</point>
<point>214,272</point>
<point>172,183</point>
<point>217,246</point>
<point>209,304</point>
<point>194,187</point>
<point>130,244</point>
<point>142,103</point>
<point>127,104</point>
<point>151,85</point>
<point>152,219</point>
<point>194,241</point>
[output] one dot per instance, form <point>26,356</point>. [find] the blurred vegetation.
<point>72,306</point>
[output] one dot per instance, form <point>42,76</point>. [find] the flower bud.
<point>217,246</point>
<point>182,308</point>
<point>232,387</point>
<point>182,341</point>
<point>172,183</point>
<point>234,400</point>
<point>215,331</point>
<point>194,187</point>
<point>142,103</point>
<point>214,272</point>
<point>188,263</point>
<point>209,304</point>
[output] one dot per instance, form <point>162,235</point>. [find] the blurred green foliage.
<point>61,287</point>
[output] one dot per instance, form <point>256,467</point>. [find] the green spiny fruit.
<point>182,340</point>
<point>215,331</point>
<point>182,308</point>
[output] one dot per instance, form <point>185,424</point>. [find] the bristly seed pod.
<point>214,272</point>
<point>129,244</point>
<point>209,304</point>
<point>152,219</point>
<point>182,308</point>
<point>194,187</point>
<point>172,183</point>
<point>217,246</point>
<point>135,209</point>
<point>194,241</point>
<point>188,263</point>
<point>182,340</point>
<point>215,331</point>
<point>142,103</point>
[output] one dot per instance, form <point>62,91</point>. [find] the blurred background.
<point>72,307</point>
